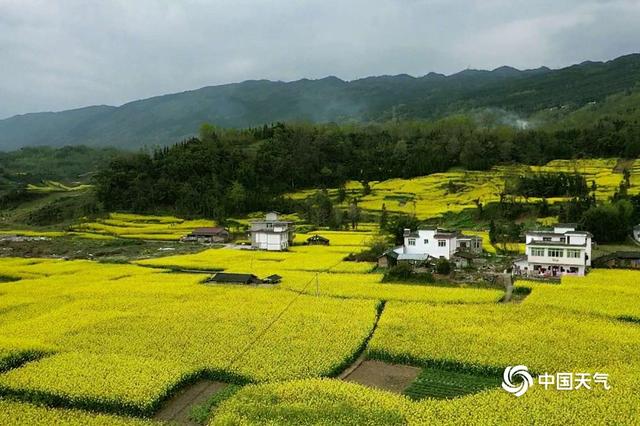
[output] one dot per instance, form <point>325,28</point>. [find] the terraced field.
<point>454,191</point>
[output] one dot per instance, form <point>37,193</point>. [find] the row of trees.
<point>547,184</point>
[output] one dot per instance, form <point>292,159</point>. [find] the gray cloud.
<point>59,54</point>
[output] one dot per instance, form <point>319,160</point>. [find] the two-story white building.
<point>562,251</point>
<point>271,233</point>
<point>423,244</point>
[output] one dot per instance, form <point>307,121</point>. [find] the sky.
<point>62,54</point>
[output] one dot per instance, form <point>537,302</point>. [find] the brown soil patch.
<point>177,408</point>
<point>623,164</point>
<point>381,375</point>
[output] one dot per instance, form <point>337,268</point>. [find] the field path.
<point>177,408</point>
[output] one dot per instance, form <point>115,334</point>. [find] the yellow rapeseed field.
<point>431,196</point>
<point>146,227</point>
<point>614,293</point>
<point>123,336</point>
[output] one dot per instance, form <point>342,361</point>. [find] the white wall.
<point>426,243</point>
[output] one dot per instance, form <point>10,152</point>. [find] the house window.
<point>426,241</point>
<point>412,242</point>
<point>535,251</point>
<point>442,243</point>
<point>269,225</point>
<point>547,239</point>
<point>556,253</point>
<point>575,254</point>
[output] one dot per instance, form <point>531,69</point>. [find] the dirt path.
<point>508,284</point>
<point>177,408</point>
<point>381,375</point>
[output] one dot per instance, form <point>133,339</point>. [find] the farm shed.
<point>215,234</point>
<point>387,259</point>
<point>317,240</point>
<point>227,278</point>
<point>272,279</point>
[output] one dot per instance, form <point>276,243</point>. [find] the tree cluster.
<point>225,172</point>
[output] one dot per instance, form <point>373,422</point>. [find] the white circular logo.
<point>518,371</point>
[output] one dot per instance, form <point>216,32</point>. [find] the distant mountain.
<point>166,119</point>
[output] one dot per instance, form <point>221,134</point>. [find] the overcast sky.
<point>60,54</point>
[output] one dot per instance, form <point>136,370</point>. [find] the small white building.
<point>271,233</point>
<point>423,244</point>
<point>562,251</point>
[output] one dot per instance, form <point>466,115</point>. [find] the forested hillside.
<point>512,94</point>
<point>68,164</point>
<point>223,173</point>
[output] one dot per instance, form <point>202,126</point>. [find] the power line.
<point>272,323</point>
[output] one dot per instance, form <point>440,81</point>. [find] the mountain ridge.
<point>167,118</point>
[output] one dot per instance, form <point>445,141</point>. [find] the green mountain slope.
<point>165,119</point>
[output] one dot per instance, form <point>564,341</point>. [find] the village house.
<point>424,244</point>
<point>271,233</point>
<point>636,233</point>
<point>216,234</point>
<point>562,251</point>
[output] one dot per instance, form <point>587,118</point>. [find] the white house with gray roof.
<point>423,244</point>
<point>271,233</point>
<point>561,251</point>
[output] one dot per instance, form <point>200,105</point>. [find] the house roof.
<point>412,256</point>
<point>546,233</point>
<point>270,231</point>
<point>225,277</point>
<point>215,230</point>
<point>554,244</point>
<point>447,235</point>
<point>588,234</point>
<point>521,261</point>
<point>468,237</point>
<point>389,253</point>
<point>275,278</point>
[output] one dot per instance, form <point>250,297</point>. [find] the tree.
<point>366,189</point>
<point>354,213</point>
<point>609,222</point>
<point>397,226</point>
<point>237,197</point>
<point>384,217</point>
<point>443,266</point>
<point>342,194</point>
<point>493,232</point>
